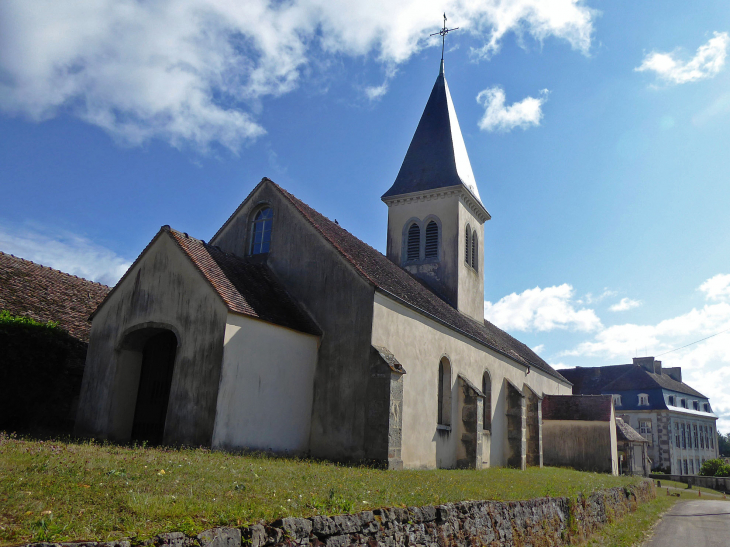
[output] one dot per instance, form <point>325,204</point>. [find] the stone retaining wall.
<point>715,483</point>
<point>536,522</point>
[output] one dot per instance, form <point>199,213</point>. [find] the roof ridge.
<point>52,269</point>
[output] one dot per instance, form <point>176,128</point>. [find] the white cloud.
<point>625,304</point>
<point>707,62</point>
<point>717,287</point>
<point>589,298</point>
<point>541,310</point>
<point>498,117</point>
<point>191,71</point>
<point>538,348</point>
<point>65,251</point>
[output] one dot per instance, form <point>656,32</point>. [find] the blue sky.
<point>599,144</point>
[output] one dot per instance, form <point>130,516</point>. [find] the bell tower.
<point>435,215</point>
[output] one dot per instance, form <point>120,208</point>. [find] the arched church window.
<point>487,390</point>
<point>432,240</point>
<point>261,231</point>
<point>414,242</point>
<point>444,392</point>
<point>467,249</point>
<point>475,251</point>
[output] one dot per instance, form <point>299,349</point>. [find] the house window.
<point>671,400</point>
<point>712,438</point>
<point>645,430</point>
<point>683,403</point>
<point>697,465</point>
<point>261,231</point>
<point>444,392</point>
<point>686,468</point>
<point>684,438</point>
<point>432,240</point>
<point>695,405</point>
<point>676,433</point>
<point>702,437</point>
<point>467,249</point>
<point>413,248</point>
<point>694,430</point>
<point>706,407</point>
<point>691,467</point>
<point>474,250</point>
<point>643,399</point>
<point>487,390</point>
<point>616,400</point>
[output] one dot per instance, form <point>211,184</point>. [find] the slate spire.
<point>437,155</point>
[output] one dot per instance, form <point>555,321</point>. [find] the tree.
<point>723,444</point>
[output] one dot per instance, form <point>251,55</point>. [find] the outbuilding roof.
<point>624,432</point>
<point>587,408</point>
<point>44,294</point>
<point>397,283</point>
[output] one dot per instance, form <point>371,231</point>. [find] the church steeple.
<point>435,214</point>
<point>437,155</point>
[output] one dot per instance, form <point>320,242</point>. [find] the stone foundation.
<point>536,522</point>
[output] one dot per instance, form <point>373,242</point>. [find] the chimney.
<point>675,373</point>
<point>657,367</point>
<point>647,363</point>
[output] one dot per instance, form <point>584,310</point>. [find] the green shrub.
<point>711,467</point>
<point>723,471</point>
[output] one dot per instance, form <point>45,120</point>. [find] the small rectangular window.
<point>695,405</point>
<point>671,400</point>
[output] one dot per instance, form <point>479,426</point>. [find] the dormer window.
<point>414,243</point>
<point>683,403</point>
<point>695,405</point>
<point>261,231</point>
<point>706,407</point>
<point>671,401</point>
<point>643,399</point>
<point>616,400</point>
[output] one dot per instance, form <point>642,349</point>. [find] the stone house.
<point>632,450</point>
<point>675,419</point>
<point>287,333</point>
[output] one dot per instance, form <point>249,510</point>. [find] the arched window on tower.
<point>487,390</point>
<point>444,392</point>
<point>413,248</point>
<point>467,248</point>
<point>475,251</point>
<point>261,231</point>
<point>432,240</point>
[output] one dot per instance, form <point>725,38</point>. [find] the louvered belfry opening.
<point>432,240</point>
<point>414,242</point>
<point>155,381</point>
<point>467,238</point>
<point>474,250</point>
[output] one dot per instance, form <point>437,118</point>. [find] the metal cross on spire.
<point>443,32</point>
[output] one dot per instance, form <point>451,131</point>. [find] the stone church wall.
<point>340,302</point>
<point>148,299</point>
<point>419,343</point>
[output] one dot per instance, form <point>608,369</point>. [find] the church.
<point>286,333</point>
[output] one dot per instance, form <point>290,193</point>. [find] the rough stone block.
<point>294,528</point>
<point>173,539</point>
<point>256,535</point>
<point>220,537</point>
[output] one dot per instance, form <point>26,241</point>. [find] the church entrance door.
<point>158,361</point>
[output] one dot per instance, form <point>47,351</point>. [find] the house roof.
<point>395,282</point>
<point>595,380</point>
<point>624,432</point>
<point>246,287</point>
<point>436,157</point>
<point>590,408</point>
<point>45,294</point>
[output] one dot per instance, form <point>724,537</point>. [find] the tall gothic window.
<point>432,240</point>
<point>487,390</point>
<point>261,231</point>
<point>474,250</point>
<point>467,248</point>
<point>444,392</point>
<point>413,248</point>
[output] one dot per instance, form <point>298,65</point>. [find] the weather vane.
<point>443,32</point>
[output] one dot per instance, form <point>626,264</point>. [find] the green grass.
<point>676,484</point>
<point>59,491</point>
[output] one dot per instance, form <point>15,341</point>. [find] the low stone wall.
<point>715,483</point>
<point>536,522</point>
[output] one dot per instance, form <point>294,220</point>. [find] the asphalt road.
<point>701,523</point>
